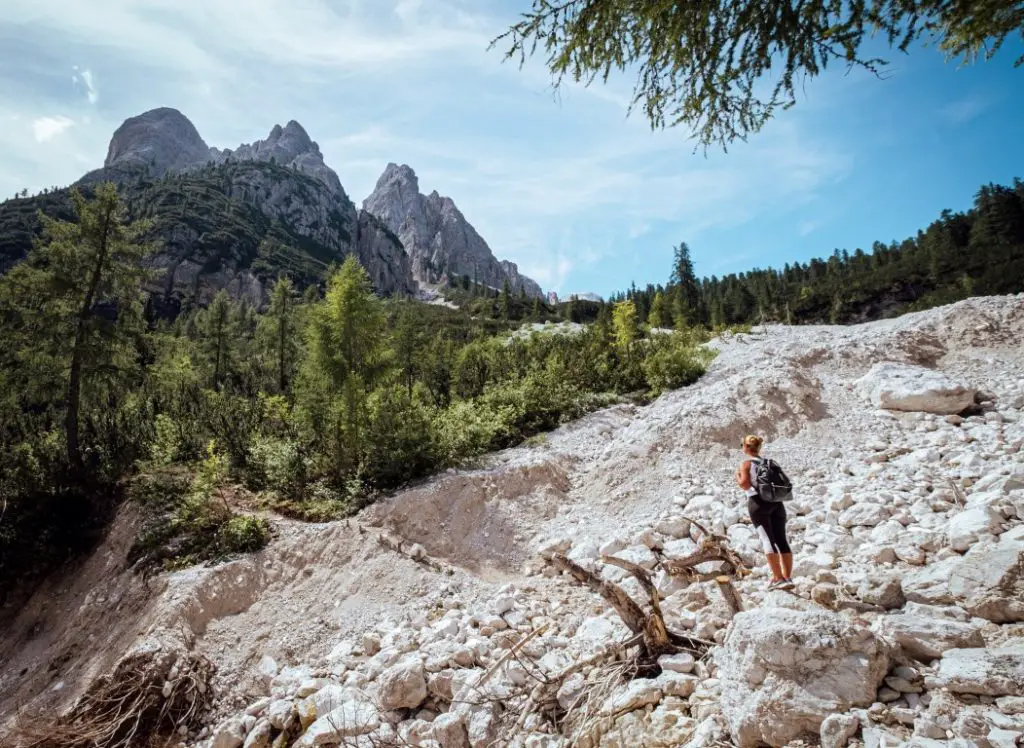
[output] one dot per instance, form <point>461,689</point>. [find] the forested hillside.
<point>311,407</point>
<point>237,224</point>
<point>977,252</point>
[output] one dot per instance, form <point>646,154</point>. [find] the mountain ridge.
<point>168,172</point>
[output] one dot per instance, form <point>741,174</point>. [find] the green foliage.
<point>318,405</point>
<point>624,325</point>
<point>166,446</point>
<point>189,522</point>
<point>673,362</point>
<point>704,65</point>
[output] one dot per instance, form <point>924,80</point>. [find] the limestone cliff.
<point>440,242</point>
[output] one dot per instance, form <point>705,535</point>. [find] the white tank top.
<point>753,471</point>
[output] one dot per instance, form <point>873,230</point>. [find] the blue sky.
<point>582,198</point>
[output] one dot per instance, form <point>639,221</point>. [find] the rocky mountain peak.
<point>161,139</point>
<point>439,240</point>
<point>287,146</point>
<point>396,175</point>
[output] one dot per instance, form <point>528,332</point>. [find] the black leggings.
<point>769,518</point>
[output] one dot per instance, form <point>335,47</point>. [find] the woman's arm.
<point>743,475</point>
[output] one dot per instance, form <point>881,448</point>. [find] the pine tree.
<point>347,354</point>
<point>657,316</point>
<point>72,312</point>
<point>277,332</point>
<point>686,302</point>
<point>407,345</point>
<point>505,302</point>
<point>624,326</point>
<point>218,330</point>
<point>702,65</point>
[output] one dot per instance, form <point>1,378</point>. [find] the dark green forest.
<point>311,407</point>
<point>973,253</point>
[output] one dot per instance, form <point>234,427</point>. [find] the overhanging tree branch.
<point>705,64</point>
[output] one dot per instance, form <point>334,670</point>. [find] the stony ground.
<point>906,626</point>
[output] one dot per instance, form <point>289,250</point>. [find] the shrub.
<point>243,533</point>
<point>166,446</point>
<point>671,362</point>
<point>188,522</point>
<point>279,465</point>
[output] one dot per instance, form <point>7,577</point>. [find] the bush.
<point>321,503</point>
<point>188,522</point>
<point>166,446</point>
<point>243,534</point>
<point>279,465</point>
<point>400,440</point>
<point>671,362</point>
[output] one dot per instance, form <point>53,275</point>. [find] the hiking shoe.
<point>777,584</point>
<point>786,584</point>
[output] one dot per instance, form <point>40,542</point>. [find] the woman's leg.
<point>760,516</point>
<point>775,564</point>
<point>778,534</point>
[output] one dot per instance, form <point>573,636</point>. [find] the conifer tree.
<point>278,333</point>
<point>624,326</point>
<point>347,354</point>
<point>72,312</point>
<point>217,327</point>
<point>702,64</point>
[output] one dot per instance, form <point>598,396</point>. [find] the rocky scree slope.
<point>905,439</point>
<point>441,243</point>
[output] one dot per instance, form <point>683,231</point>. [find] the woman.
<point>769,517</point>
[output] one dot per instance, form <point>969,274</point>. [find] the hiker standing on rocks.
<point>767,487</point>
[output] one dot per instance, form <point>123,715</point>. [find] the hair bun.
<point>754,442</point>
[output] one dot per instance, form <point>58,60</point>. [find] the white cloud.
<point>964,110</point>
<point>47,128</point>
<point>90,89</point>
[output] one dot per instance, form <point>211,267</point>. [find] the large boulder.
<point>783,672</point>
<point>403,686</point>
<point>995,671</point>
<point>966,527</point>
<point>351,719</point>
<point>925,638</point>
<point>913,388</point>
<point>987,582</point>
<point>990,582</point>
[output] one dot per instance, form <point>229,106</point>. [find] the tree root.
<point>148,698</point>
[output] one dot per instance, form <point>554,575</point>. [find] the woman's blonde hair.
<point>753,443</point>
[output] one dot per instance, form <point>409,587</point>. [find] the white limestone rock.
<point>895,386</point>
<point>837,730</point>
<point>995,671</point>
<point>925,638</point>
<point>351,719</point>
<point>229,734</point>
<point>864,514</point>
<point>403,686</point>
<point>636,695</point>
<point>784,671</point>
